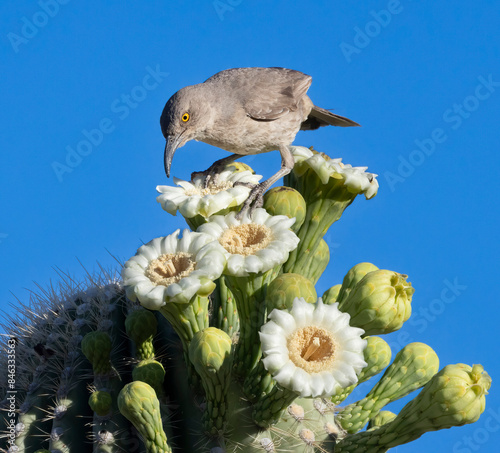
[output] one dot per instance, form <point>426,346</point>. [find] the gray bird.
<point>245,111</point>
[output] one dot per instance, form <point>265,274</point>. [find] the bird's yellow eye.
<point>185,117</point>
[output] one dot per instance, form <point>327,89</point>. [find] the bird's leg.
<point>211,173</point>
<point>256,197</point>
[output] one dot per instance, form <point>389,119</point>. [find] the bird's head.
<point>184,117</point>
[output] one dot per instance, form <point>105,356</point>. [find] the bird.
<point>245,111</point>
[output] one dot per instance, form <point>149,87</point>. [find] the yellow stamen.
<point>246,239</point>
<point>212,189</point>
<point>170,268</point>
<point>313,347</point>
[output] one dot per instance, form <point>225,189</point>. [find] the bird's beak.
<point>170,148</point>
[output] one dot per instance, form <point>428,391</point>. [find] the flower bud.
<point>351,279</point>
<point>285,288</point>
<point>151,372</point>
<point>286,201</point>
<point>141,327</point>
<point>101,402</point>
<point>96,346</point>
<point>377,355</point>
<point>139,404</point>
<point>331,295</point>
<point>453,397</point>
<point>380,302</point>
<point>412,368</point>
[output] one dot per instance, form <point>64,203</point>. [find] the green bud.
<point>101,402</point>
<point>96,346</point>
<point>210,353</point>
<point>151,372</point>
<point>454,397</point>
<point>331,295</point>
<point>380,302</point>
<point>352,278</point>
<point>138,403</point>
<point>141,327</point>
<point>286,201</point>
<point>412,368</point>
<point>382,418</point>
<point>283,290</point>
<point>377,355</point>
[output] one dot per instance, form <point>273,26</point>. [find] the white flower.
<point>253,244</point>
<point>356,179</point>
<point>311,349</point>
<point>169,269</point>
<point>192,198</point>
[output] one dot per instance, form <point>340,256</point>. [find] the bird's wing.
<point>266,94</point>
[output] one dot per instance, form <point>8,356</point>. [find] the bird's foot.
<point>250,185</point>
<point>255,200</point>
<point>211,174</point>
<point>208,176</point>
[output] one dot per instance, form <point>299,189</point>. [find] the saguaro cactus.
<point>215,340</point>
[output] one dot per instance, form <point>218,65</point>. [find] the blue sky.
<point>423,79</point>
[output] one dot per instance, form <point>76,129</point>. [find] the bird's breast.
<point>249,136</point>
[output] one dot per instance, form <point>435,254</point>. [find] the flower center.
<point>312,348</point>
<point>246,239</point>
<point>170,268</point>
<point>211,189</point>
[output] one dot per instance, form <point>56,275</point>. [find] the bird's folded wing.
<point>276,93</point>
<point>266,94</point>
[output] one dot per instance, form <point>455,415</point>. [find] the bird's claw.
<point>255,200</point>
<point>250,185</point>
<point>208,176</point>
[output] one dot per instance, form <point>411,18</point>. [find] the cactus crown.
<point>232,350</point>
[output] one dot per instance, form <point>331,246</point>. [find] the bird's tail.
<point>322,117</point>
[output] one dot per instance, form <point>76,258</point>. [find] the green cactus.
<point>225,315</point>
<point>249,363</point>
<point>210,352</point>
<point>382,418</point>
<point>320,260</point>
